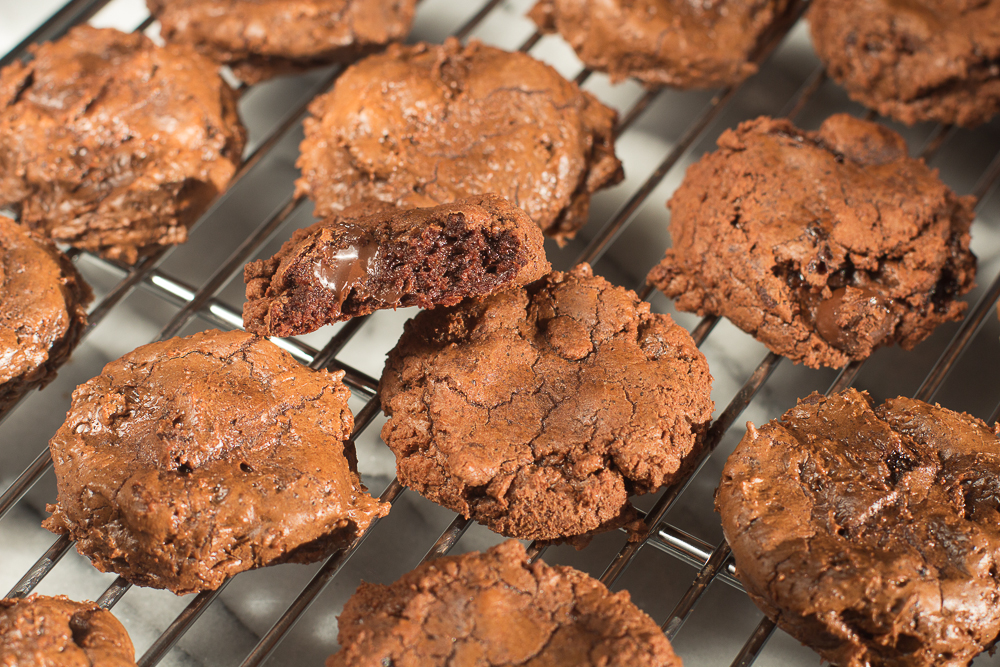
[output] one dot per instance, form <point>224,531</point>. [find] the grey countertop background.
<point>247,608</point>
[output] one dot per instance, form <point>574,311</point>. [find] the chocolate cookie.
<point>537,411</point>
<point>259,39</point>
<point>112,144</point>
<point>870,534</point>
<point>495,609</point>
<point>663,42</point>
<point>42,310</point>
<point>914,60</point>
<point>44,631</point>
<point>823,245</point>
<point>426,124</point>
<point>192,459</point>
<point>377,256</point>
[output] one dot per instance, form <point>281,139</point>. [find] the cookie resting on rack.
<point>260,39</point>
<point>112,144</point>
<point>915,61</point>
<point>429,124</point>
<point>823,245</point>
<point>41,631</point>
<point>42,310</point>
<point>664,42</point>
<point>495,609</point>
<point>376,256</point>
<point>539,410</point>
<point>870,533</point>
<point>192,459</point>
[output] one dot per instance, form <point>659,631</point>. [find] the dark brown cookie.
<point>192,459</point>
<point>259,39</point>
<point>424,125</point>
<point>870,534</point>
<point>494,609</point>
<point>42,310</point>
<point>377,256</point>
<point>914,60</point>
<point>112,144</point>
<point>538,411</point>
<point>663,42</point>
<point>824,245</point>
<point>43,631</point>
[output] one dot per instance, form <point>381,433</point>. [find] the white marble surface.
<point>724,619</point>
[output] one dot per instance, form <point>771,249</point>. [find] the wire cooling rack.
<point>680,572</point>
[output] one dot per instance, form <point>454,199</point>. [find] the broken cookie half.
<point>375,256</point>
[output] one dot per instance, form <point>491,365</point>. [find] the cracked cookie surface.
<point>537,411</point>
<point>190,460</point>
<point>376,256</point>
<point>42,310</point>
<point>42,631</point>
<point>822,245</point>
<point>112,144</point>
<point>870,533</point>
<point>494,609</point>
<point>428,124</point>
<point>663,42</point>
<point>259,39</point>
<point>915,60</point>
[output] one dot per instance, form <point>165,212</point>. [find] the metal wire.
<point>695,552</point>
<point>318,583</point>
<point>755,643</point>
<point>476,19</point>
<point>449,538</point>
<point>114,593</point>
<point>712,568</point>
<point>166,641</point>
<point>42,566</point>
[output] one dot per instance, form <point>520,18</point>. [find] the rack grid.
<point>203,302</point>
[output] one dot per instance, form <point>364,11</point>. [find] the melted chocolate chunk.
<point>853,318</point>
<point>348,268</point>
